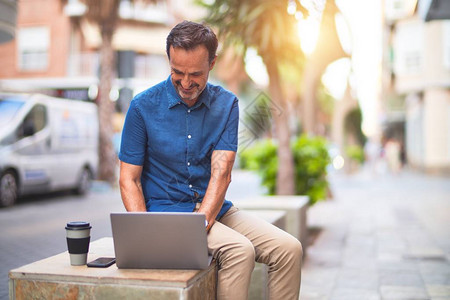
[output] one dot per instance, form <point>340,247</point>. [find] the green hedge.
<point>311,160</point>
<point>356,153</point>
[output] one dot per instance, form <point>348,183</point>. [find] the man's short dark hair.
<point>188,35</point>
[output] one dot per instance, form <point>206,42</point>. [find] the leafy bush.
<point>356,153</point>
<point>262,157</point>
<point>310,157</point>
<point>311,160</point>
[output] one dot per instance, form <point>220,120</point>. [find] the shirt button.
<point>189,136</point>
<point>188,163</point>
<point>190,186</point>
<point>189,110</point>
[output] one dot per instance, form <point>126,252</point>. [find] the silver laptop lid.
<point>154,240</point>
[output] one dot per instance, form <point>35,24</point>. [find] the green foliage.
<point>352,125</point>
<point>355,152</point>
<point>262,158</point>
<point>325,99</point>
<point>262,24</point>
<point>311,160</point>
<point>310,157</point>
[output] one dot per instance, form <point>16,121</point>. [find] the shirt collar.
<point>174,98</point>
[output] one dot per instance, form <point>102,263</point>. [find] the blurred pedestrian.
<point>372,151</point>
<point>392,151</point>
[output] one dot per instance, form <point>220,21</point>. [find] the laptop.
<point>155,240</point>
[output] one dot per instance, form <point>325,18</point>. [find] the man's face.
<point>190,70</point>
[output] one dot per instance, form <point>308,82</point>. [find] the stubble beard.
<point>189,96</point>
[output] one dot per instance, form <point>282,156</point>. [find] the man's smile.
<point>188,90</point>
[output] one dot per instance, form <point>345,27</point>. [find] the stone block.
<point>294,206</point>
<point>55,278</point>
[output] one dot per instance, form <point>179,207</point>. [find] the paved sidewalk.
<point>381,237</point>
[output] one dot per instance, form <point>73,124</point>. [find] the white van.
<point>46,144</point>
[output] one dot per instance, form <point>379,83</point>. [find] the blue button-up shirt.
<point>174,143</point>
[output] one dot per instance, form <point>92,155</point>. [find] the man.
<point>178,147</point>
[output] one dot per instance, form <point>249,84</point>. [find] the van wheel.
<point>8,189</point>
<point>84,182</point>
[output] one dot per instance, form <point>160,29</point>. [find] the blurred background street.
<point>344,101</point>
<point>380,237</point>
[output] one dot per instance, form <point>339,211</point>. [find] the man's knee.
<point>292,247</point>
<point>242,252</point>
<point>245,250</point>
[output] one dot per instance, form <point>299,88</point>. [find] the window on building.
<point>446,44</point>
<point>33,47</point>
<point>409,48</point>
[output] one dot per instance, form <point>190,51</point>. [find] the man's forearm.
<point>132,196</point>
<point>214,197</point>
<point>221,166</point>
<point>131,188</point>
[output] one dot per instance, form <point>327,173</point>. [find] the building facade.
<point>55,50</point>
<point>416,82</point>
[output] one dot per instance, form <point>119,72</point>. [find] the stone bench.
<point>275,217</point>
<point>55,278</point>
<point>294,206</point>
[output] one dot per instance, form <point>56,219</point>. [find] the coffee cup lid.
<point>78,225</point>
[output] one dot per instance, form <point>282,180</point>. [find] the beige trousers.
<point>239,239</point>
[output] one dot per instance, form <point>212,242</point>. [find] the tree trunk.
<point>341,109</point>
<point>105,14</point>
<point>328,49</point>
<point>310,83</point>
<point>285,174</point>
<point>107,155</point>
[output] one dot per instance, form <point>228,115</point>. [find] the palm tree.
<point>266,26</point>
<point>328,49</point>
<point>105,15</point>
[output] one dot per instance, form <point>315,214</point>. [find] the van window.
<point>34,122</point>
<point>8,109</point>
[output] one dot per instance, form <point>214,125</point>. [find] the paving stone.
<point>390,238</point>
<point>354,294</point>
<point>435,266</point>
<point>324,278</point>
<point>358,279</point>
<point>436,279</point>
<point>313,293</point>
<point>438,290</point>
<point>394,263</point>
<point>425,252</point>
<point>368,262</point>
<point>400,278</point>
<point>324,258</point>
<point>403,292</point>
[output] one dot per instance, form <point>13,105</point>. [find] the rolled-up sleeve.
<point>134,137</point>
<point>229,138</point>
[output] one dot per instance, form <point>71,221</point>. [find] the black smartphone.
<point>102,262</point>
